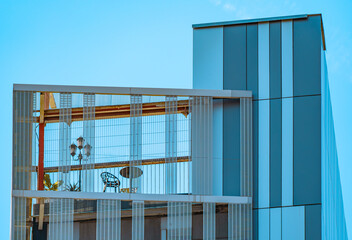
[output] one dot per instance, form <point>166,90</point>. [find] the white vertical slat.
<point>246,150</point>
<point>202,145</point>
<point>287,58</point>
<point>263,61</point>
<point>179,220</point>
<point>287,152</point>
<point>23,122</point>
<point>89,136</point>
<point>209,221</point>
<point>64,171</point>
<point>23,136</point>
<point>61,219</point>
<point>171,144</point>
<point>263,153</point>
<point>135,142</point>
<point>18,219</point>
<point>108,220</point>
<point>137,220</point>
<point>239,222</point>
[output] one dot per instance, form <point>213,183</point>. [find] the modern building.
<point>249,153</point>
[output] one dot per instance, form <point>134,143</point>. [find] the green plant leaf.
<point>47,181</point>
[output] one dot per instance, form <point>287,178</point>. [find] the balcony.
<point>155,147</point>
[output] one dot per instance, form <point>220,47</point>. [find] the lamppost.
<point>80,155</point>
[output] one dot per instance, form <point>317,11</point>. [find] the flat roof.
<point>246,21</point>
<point>259,20</point>
<point>130,91</point>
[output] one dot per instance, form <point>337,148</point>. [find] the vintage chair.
<point>110,180</point>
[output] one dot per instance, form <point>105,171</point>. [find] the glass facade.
<point>96,165</point>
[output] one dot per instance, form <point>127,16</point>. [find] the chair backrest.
<point>109,177</point>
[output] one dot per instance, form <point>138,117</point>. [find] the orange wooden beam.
<point>118,164</point>
<point>114,111</point>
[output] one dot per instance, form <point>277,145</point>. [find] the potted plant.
<point>72,187</point>
<point>48,186</point>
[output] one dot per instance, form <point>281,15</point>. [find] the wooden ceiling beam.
<point>116,164</point>
<point>116,111</point>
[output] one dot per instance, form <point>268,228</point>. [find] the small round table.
<point>134,171</point>
<point>131,173</point>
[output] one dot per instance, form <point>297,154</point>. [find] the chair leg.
<point>104,188</point>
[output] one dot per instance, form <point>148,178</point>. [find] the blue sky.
<point>147,44</point>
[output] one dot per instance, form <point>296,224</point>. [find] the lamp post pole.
<point>87,148</point>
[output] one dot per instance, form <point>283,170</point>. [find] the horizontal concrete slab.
<point>132,197</point>
<point>130,91</point>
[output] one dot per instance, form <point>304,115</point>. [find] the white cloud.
<point>229,7</point>
<point>216,2</point>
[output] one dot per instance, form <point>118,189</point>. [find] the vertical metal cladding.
<point>307,41</point>
<point>209,218</point>
<point>232,147</point>
<point>64,171</point>
<point>287,58</point>
<point>135,142</point>
<point>313,221</point>
<point>275,223</point>
<point>252,59</point>
<point>19,217</point>
<point>235,57</point>
<point>201,109</point>
<point>255,153</point>
<point>275,153</point>
<point>171,144</point>
<point>246,147</point>
<point>89,136</point>
<point>281,62</point>
<point>263,61</point>
<point>108,220</point>
<point>264,223</point>
<point>218,145</point>
<point>333,225</point>
<point>293,223</point>
<point>240,222</point>
<point>179,220</point>
<point>263,153</point>
<point>24,105</point>
<point>264,115</point>
<point>23,134</point>
<point>137,220</point>
<point>275,59</point>
<point>208,58</point>
<point>307,150</point>
<point>61,219</point>
<point>287,152</point>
